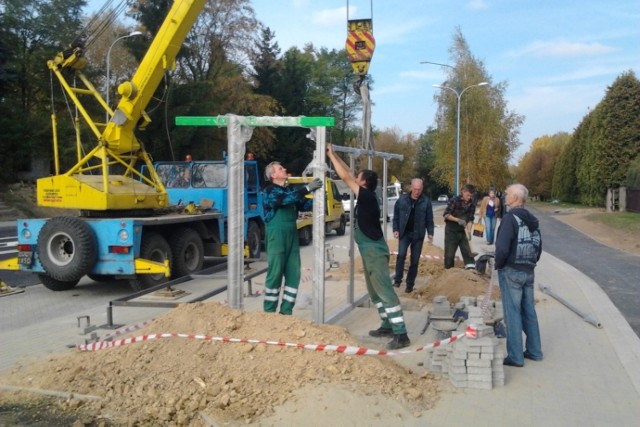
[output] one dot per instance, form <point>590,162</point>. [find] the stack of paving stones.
<point>469,363</point>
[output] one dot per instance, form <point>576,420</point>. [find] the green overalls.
<point>283,257</point>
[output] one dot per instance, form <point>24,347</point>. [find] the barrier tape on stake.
<point>470,332</point>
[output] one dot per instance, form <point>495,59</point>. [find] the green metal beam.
<point>253,121</point>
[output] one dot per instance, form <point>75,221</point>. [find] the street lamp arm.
<point>108,85</point>
<point>437,63</point>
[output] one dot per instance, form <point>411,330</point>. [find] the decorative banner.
<point>360,44</point>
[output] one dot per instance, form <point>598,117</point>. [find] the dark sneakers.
<point>396,284</point>
<point>409,289</point>
<point>509,362</point>
<point>381,332</point>
<point>399,341</point>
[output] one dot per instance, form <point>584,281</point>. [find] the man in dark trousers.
<point>412,219</point>
<point>281,207</point>
<point>518,249</point>
<point>374,252</point>
<point>459,212</point>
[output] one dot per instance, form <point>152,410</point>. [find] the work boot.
<point>381,332</point>
<point>399,341</point>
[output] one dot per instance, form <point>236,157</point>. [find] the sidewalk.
<point>589,376</point>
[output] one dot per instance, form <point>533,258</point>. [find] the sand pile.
<point>172,381</point>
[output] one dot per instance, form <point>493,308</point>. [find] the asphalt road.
<point>615,271</point>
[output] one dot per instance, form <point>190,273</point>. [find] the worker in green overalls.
<point>374,252</point>
<point>281,207</point>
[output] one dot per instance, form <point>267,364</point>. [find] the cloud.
<point>563,49</point>
<point>332,17</point>
<point>477,5</point>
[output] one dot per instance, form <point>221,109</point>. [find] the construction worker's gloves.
<point>314,185</point>
<point>462,222</point>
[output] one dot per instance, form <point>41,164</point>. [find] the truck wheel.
<point>102,277</point>
<point>154,247</point>
<point>67,248</point>
<point>305,235</point>
<point>343,226</point>
<point>188,252</point>
<point>57,285</point>
<point>254,240</point>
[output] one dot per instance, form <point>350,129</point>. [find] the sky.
<point>557,57</point>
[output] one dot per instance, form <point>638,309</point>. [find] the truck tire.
<point>305,235</point>
<point>188,252</point>
<point>67,248</point>
<point>153,247</point>
<point>254,240</point>
<point>57,285</point>
<point>343,226</point>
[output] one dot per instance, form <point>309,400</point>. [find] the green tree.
<point>565,180</point>
<point>614,140</point>
<point>33,32</point>
<point>488,130</point>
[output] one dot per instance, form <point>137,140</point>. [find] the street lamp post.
<point>459,96</point>
<point>131,34</point>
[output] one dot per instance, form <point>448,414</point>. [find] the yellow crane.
<point>89,185</point>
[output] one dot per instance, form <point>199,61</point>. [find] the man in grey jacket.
<point>518,249</point>
<point>412,219</point>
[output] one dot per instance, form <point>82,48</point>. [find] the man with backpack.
<point>518,249</point>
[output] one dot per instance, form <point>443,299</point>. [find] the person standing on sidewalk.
<point>459,212</point>
<point>374,252</point>
<point>518,249</point>
<point>489,211</point>
<point>412,219</point>
<point>281,206</point>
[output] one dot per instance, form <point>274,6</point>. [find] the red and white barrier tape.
<point>126,330</point>
<point>345,349</point>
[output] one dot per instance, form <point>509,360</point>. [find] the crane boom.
<point>80,187</point>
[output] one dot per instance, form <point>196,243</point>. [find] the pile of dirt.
<point>183,381</point>
<point>172,381</point>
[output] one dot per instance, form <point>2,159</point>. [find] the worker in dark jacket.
<point>518,249</point>
<point>459,212</point>
<point>412,219</point>
<point>281,207</point>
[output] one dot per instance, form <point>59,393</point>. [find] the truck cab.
<point>334,215</point>
<point>205,183</point>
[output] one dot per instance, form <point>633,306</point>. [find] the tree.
<point>536,168</point>
<point>33,32</point>
<point>488,130</point>
<point>614,140</point>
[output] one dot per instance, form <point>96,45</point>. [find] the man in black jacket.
<point>412,219</point>
<point>459,212</point>
<point>518,249</point>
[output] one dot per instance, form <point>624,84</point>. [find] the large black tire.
<point>188,252</point>
<point>57,285</point>
<point>153,247</point>
<point>305,235</point>
<point>254,240</point>
<point>343,226</point>
<point>67,248</point>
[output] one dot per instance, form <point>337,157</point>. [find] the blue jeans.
<point>520,316</point>
<point>490,228</point>
<point>407,241</point>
